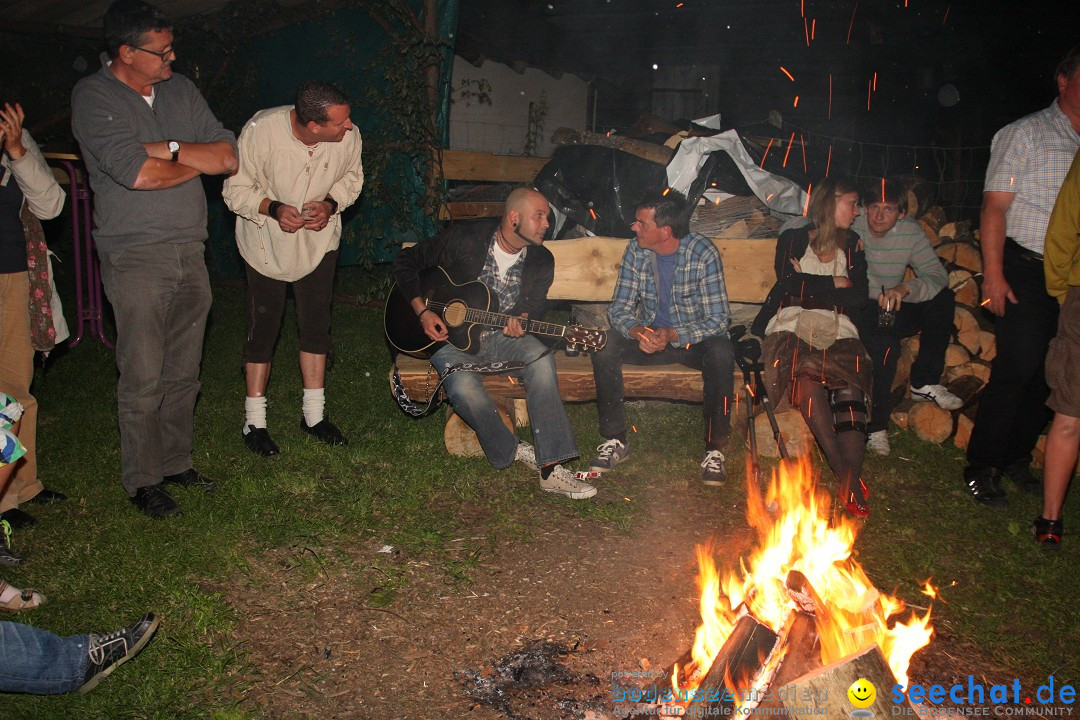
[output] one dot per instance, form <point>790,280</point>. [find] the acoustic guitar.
<point>466,310</point>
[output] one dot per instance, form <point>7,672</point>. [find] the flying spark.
<point>790,143</point>
<point>807,208</point>
<point>828,162</point>
<point>766,152</point>
<point>796,103</point>
<point>852,23</point>
<point>785,71</point>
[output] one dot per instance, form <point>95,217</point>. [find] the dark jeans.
<point>266,304</point>
<point>934,319</point>
<point>160,295</point>
<point>1012,410</point>
<point>714,357</point>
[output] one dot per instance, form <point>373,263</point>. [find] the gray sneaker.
<point>609,454</point>
<point>110,651</point>
<point>712,468</point>
<point>566,483</point>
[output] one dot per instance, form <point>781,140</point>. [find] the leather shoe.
<point>47,497</point>
<point>155,501</point>
<point>325,431</point>
<point>259,442</point>
<point>191,478</point>
<point>18,519</point>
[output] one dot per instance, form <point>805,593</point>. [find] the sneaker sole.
<point>572,494</point>
<point>713,483</point>
<point>132,652</point>
<point>923,398</point>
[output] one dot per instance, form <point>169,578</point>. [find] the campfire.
<point>798,613</point>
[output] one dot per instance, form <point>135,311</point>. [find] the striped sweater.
<point>906,245</point>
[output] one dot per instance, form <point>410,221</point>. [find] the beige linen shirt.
<point>42,194</point>
<point>275,165</point>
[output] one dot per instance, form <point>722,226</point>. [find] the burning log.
<point>824,692</point>
<point>733,669</point>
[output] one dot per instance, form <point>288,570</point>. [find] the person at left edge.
<point>508,256</point>
<point>299,168</point>
<point>146,136</point>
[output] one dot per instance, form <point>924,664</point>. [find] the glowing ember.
<point>851,614</point>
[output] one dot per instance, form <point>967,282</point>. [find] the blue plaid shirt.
<point>699,301</point>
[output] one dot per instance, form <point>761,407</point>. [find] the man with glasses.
<point>146,136</point>
<point>924,304</point>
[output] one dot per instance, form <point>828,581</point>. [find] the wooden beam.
<point>471,210</point>
<point>586,268</point>
<point>481,166</point>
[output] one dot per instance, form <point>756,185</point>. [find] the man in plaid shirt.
<point>670,306</point>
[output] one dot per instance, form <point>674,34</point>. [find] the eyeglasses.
<point>159,55</point>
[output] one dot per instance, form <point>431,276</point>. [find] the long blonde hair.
<point>826,236</point>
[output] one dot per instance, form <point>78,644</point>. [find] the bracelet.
<point>273,207</point>
<point>421,313</point>
<point>333,204</point>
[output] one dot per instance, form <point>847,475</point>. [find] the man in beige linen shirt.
<point>299,168</point>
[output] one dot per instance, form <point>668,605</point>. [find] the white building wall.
<point>498,122</point>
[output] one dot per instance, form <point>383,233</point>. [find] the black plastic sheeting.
<point>599,187</point>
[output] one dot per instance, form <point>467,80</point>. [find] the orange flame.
<point>851,614</point>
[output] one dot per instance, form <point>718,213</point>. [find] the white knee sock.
<point>254,412</point>
<point>314,406</point>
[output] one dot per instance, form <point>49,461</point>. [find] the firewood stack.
<point>967,360</point>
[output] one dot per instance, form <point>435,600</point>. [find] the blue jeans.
<point>160,295</point>
<point>552,436</point>
<point>37,661</point>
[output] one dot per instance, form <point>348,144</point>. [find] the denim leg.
<point>553,438</point>
<point>39,662</point>
<point>472,402</point>
<point>608,377</point>
<point>934,318</point>
<point>160,296</point>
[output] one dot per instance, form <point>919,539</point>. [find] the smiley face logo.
<point>862,693</point>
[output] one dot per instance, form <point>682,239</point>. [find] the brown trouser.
<point>16,372</point>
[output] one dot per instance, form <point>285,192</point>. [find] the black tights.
<point>843,450</point>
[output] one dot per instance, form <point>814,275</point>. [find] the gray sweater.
<point>906,245</point>
<point>110,122</point>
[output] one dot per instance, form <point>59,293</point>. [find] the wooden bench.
<point>585,271</point>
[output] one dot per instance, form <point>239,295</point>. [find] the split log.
<point>904,363</point>
<point>964,426</point>
<point>931,234</point>
<point>901,411</point>
<point>739,659</point>
<point>987,345</point>
<point>947,231</point>
<point>977,368</point>
<point>930,422</point>
<point>965,285</point>
<point>956,355</point>
<point>823,692</point>
<point>969,324</point>
<point>960,254</point>
<point>966,387</point>
<point>797,436</point>
<point>921,195</point>
<point>935,218</point>
<point>460,438</point>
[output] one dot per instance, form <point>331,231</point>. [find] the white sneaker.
<point>526,455</point>
<point>564,482</point>
<point>936,394</point>
<point>712,468</point>
<point>878,441</point>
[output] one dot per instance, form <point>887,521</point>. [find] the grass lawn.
<point>102,564</point>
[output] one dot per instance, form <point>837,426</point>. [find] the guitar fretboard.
<point>491,319</point>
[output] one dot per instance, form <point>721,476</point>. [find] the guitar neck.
<point>498,320</point>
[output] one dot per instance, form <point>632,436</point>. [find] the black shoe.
<point>48,497</point>
<point>1048,532</point>
<point>155,501</point>
<point>984,484</point>
<point>325,431</point>
<point>8,556</point>
<point>258,441</point>
<point>108,652</point>
<point>1020,473</point>
<point>191,478</point>
<point>18,519</point>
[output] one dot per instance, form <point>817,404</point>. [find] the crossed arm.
<point>160,172</point>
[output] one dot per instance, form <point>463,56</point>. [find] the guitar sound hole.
<point>454,314</point>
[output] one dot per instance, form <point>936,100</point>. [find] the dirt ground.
<point>622,602</point>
